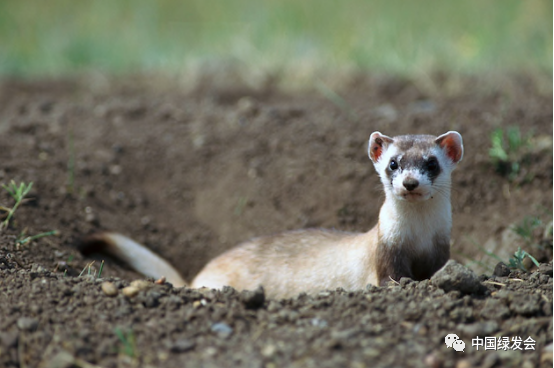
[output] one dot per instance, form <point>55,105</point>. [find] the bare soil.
<point>192,171</point>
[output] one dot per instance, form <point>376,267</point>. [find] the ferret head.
<point>415,167</point>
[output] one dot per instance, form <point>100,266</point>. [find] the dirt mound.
<point>192,173</point>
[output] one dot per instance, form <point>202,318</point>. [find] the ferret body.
<point>411,238</point>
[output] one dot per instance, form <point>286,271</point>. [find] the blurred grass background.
<point>57,37</point>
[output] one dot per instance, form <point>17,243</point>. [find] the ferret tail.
<point>140,258</point>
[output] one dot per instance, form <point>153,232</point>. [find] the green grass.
<point>23,239</point>
<point>18,193</point>
<point>127,341</point>
<point>91,271</point>
<point>516,262</point>
<point>536,236</point>
<point>509,150</point>
<point>403,37</point>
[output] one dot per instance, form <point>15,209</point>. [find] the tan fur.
<point>411,238</point>
<point>294,262</point>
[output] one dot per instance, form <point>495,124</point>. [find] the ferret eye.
<point>432,164</point>
<point>393,165</point>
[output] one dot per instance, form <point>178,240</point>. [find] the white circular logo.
<point>459,345</point>
<point>453,341</point>
<point>449,339</point>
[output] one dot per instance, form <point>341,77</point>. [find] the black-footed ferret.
<point>411,239</point>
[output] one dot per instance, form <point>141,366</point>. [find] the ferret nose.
<point>410,184</point>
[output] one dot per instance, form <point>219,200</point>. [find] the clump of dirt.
<point>191,173</point>
<point>51,320</point>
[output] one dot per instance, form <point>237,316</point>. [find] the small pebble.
<point>63,359</point>
<point>141,284</point>
<point>405,281</point>
<point>321,323</point>
<point>222,329</point>
<point>464,363</point>
<point>27,323</point>
<point>9,339</point>
<point>130,291</point>
<point>501,270</point>
<point>247,106</point>
<point>432,361</point>
<point>210,351</point>
<point>269,350</point>
<point>109,288</point>
<point>181,345</point>
<point>115,169</point>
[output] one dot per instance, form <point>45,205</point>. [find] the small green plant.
<point>22,239</point>
<point>87,267</point>
<point>536,233</point>
<point>127,339</point>
<point>18,192</point>
<point>100,270</point>
<point>516,262</point>
<point>508,151</point>
<point>90,272</point>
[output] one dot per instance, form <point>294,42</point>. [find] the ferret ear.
<point>377,145</point>
<point>452,144</point>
